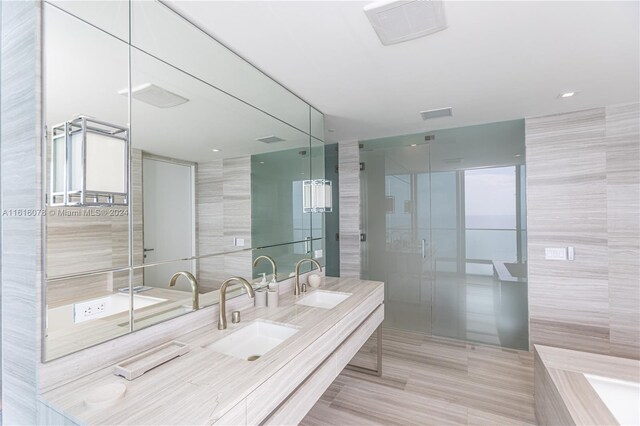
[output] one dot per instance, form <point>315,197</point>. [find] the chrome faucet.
<point>222,319</point>
<point>194,287</point>
<point>274,268</point>
<point>296,289</point>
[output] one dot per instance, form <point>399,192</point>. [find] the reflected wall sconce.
<point>89,164</point>
<point>317,196</point>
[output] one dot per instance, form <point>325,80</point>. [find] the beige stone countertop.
<point>201,386</point>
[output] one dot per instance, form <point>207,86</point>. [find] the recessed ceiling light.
<point>567,94</point>
<point>414,144</point>
<point>215,150</point>
<point>262,162</point>
<point>517,155</point>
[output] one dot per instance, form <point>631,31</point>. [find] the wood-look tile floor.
<point>431,381</point>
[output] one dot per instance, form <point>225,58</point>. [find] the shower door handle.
<point>424,248</point>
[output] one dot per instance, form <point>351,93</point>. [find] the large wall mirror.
<point>163,154</point>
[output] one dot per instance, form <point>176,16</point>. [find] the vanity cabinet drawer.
<point>278,387</point>
<point>293,410</point>
<point>352,321</point>
<point>298,404</point>
<point>352,345</point>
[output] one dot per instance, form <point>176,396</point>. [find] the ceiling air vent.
<point>155,95</point>
<point>270,139</point>
<point>436,113</point>
<point>398,21</point>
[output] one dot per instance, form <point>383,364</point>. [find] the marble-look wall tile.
<point>237,213</point>
<point>137,209</point>
<point>20,154</point>
<point>623,206</point>
<point>582,190</point>
<point>349,196</point>
<point>566,206</point>
<point>210,220</point>
<point>223,207</point>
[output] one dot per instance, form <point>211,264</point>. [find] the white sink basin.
<point>253,340</point>
<point>323,299</point>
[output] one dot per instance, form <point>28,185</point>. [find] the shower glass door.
<point>396,232</point>
<point>444,226</point>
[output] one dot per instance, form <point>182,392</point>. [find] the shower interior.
<point>443,218</point>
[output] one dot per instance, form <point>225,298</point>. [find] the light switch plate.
<point>238,242</point>
<point>555,253</point>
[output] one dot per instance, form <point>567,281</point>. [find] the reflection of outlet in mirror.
<point>238,242</point>
<point>317,254</point>
<point>85,311</point>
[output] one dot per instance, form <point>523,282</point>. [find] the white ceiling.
<point>495,61</point>
<point>87,78</point>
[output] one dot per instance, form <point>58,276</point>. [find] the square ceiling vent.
<point>270,139</point>
<point>155,95</point>
<point>398,21</point>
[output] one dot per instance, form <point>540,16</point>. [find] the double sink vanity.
<point>213,167</point>
<point>270,368</point>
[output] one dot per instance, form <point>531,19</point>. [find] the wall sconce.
<point>89,164</point>
<point>317,196</point>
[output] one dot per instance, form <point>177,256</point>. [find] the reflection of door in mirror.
<point>169,227</point>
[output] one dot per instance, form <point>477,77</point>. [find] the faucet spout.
<point>222,318</point>
<point>269,259</point>
<point>194,287</point>
<point>296,288</point>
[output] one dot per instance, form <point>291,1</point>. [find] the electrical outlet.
<point>318,254</point>
<point>85,311</point>
<point>238,242</point>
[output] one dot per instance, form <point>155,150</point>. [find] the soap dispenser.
<point>263,283</point>
<point>260,298</point>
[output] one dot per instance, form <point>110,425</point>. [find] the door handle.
<point>144,251</point>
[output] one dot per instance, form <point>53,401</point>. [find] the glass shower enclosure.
<point>443,219</point>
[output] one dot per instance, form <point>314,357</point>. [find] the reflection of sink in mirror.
<point>68,315</point>
<point>171,167</point>
<point>254,340</point>
<point>323,299</point>
<point>152,319</point>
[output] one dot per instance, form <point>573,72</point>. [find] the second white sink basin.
<point>323,299</point>
<point>254,340</point>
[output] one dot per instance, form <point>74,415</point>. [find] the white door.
<point>168,190</point>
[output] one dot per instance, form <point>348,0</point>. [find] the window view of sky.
<point>490,198</point>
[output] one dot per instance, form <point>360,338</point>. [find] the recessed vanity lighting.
<point>414,144</point>
<point>215,150</point>
<point>567,94</point>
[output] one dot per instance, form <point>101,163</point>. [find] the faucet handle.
<point>235,317</point>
